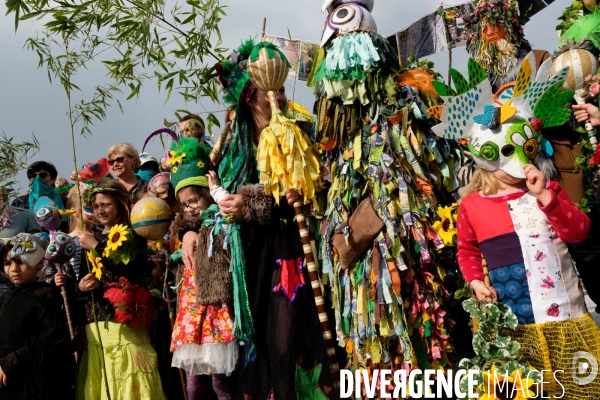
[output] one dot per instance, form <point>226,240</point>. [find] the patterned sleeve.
<point>568,221</point>
<point>469,255</point>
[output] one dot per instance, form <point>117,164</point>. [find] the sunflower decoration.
<point>96,263</point>
<point>446,226</point>
<point>120,246</point>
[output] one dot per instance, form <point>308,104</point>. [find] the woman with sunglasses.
<point>125,161</point>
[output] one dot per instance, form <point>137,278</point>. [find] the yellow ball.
<point>151,218</point>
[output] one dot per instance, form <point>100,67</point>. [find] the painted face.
<point>509,147</point>
<point>493,33</point>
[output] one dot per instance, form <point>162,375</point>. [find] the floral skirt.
<point>131,365</point>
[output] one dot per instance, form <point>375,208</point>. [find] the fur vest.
<point>211,274</point>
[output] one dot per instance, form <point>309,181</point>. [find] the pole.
<point>264,28</point>
<point>398,49</point>
<point>159,246</point>
<point>63,292</point>
<point>317,293</point>
<point>449,41</point>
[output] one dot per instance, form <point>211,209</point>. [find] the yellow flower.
<point>175,160</point>
<point>200,164</point>
<point>445,227</point>
<point>497,386</point>
<point>174,169</point>
<point>96,265</point>
<point>116,237</point>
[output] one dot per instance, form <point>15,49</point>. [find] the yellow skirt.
<point>131,365</point>
<point>552,346</point>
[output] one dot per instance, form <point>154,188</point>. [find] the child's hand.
<point>536,183</point>
<point>213,180</point>
<point>482,292</point>
<point>88,283</point>
<point>188,248</point>
<point>3,378</point>
<point>60,279</point>
<point>86,239</point>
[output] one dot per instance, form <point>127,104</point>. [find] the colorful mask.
<point>28,249</point>
<point>505,136</point>
<point>61,248</point>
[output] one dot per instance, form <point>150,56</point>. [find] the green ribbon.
<point>271,50</point>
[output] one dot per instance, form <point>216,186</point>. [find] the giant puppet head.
<point>496,39</point>
<point>508,135</point>
<point>347,16</point>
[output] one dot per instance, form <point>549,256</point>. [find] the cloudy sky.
<point>30,104</point>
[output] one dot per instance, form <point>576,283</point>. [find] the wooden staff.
<point>169,302</point>
<point>317,293</point>
<point>63,292</point>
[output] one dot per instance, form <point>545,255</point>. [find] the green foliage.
<point>176,44</point>
<point>14,157</point>
<point>492,343</point>
<point>424,64</point>
<point>569,16</point>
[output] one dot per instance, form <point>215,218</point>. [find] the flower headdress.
<point>509,136</point>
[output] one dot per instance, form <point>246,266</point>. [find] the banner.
<point>455,22</point>
<point>428,35</point>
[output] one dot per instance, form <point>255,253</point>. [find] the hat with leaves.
<point>233,73</point>
<point>189,163</point>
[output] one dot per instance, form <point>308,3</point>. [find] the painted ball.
<point>151,218</point>
<point>582,63</point>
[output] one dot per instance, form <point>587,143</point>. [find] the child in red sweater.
<point>520,222</point>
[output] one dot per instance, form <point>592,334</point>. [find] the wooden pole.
<point>398,48</point>
<point>263,28</point>
<point>159,246</point>
<point>449,41</point>
<point>317,293</point>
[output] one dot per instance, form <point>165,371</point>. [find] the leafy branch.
<point>14,156</point>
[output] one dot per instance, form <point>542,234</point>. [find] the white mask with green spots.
<point>504,131</point>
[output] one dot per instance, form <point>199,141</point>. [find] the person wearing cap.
<point>36,361</point>
<point>148,167</point>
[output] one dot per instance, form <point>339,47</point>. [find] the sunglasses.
<point>117,160</point>
<point>42,175</point>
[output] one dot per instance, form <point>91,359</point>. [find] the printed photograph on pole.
<point>308,52</point>
<point>291,49</point>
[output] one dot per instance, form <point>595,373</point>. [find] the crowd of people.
<point>224,298</point>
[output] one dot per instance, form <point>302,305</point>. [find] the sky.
<point>30,104</point>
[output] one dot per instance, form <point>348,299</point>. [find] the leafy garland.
<point>571,14</point>
<point>496,354</point>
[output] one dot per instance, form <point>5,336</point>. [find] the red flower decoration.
<point>133,304</point>
<point>595,160</point>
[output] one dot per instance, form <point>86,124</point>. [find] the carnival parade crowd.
<point>301,243</point>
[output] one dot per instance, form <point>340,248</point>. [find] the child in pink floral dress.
<point>203,342</point>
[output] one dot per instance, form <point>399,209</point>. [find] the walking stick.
<point>286,161</point>
<point>171,311</point>
<point>63,291</point>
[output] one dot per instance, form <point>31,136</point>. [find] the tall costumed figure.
<point>386,175</point>
<point>289,353</point>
